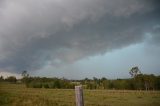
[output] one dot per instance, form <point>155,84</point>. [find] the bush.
<point>34,85</point>
<point>11,79</point>
<point>45,85</point>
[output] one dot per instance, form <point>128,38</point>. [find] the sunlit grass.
<point>19,95</point>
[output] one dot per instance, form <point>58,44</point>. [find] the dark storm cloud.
<point>37,33</point>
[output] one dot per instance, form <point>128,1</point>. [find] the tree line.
<point>138,81</point>
<point>11,79</point>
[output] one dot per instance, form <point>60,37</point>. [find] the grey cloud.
<point>152,43</point>
<point>36,33</point>
<point>155,35</point>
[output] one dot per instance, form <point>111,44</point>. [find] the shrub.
<point>45,85</point>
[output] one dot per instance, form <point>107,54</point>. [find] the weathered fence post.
<point>79,96</point>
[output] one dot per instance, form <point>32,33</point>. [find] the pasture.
<point>19,95</point>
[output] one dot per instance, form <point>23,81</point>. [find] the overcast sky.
<point>78,39</point>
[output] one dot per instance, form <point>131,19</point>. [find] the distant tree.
<point>111,85</point>
<point>157,83</point>
<point>137,78</point>
<point>25,76</point>
<point>103,78</point>
<point>149,81</point>
<point>1,78</point>
<point>11,79</point>
<point>134,71</point>
<point>104,82</point>
<point>96,82</point>
<point>139,82</point>
<point>57,83</point>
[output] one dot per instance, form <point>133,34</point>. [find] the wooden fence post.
<point>79,96</point>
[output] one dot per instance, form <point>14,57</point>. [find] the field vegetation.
<point>19,95</point>
<point>139,90</point>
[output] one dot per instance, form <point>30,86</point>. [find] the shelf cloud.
<point>35,33</point>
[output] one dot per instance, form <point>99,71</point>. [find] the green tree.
<point>149,81</point>
<point>139,82</point>
<point>11,79</point>
<point>157,83</point>
<point>137,77</point>
<point>1,78</point>
<point>134,71</point>
<point>25,76</point>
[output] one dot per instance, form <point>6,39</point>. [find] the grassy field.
<point>19,95</point>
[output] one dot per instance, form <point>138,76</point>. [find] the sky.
<point>78,39</point>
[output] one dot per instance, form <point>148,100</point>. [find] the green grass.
<point>19,95</point>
